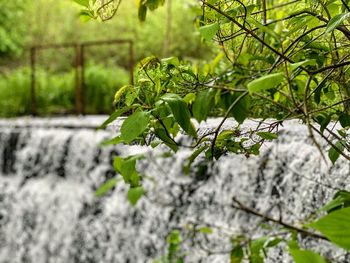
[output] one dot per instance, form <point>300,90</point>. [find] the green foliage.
<point>265,82</point>
<point>336,21</point>
<point>335,226</point>
<point>180,112</point>
<point>55,90</point>
<point>334,152</point>
<point>306,256</point>
<point>134,194</point>
<point>103,189</point>
<point>11,13</point>
<point>340,200</point>
<point>174,253</point>
<point>282,61</point>
<point>267,135</point>
<point>209,31</point>
<point>134,125</point>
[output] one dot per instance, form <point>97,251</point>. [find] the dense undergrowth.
<point>56,90</point>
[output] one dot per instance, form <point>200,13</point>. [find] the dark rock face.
<point>48,211</point>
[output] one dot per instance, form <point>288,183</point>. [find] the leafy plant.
<point>291,57</point>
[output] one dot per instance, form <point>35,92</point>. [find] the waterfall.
<point>50,169</point>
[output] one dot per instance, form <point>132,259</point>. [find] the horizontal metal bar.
<point>86,43</point>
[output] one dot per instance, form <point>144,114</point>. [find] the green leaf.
<point>256,247</point>
<point>113,141</point>
<point>265,82</point>
<point>189,98</point>
<point>203,104</point>
<point>103,189</point>
<point>134,194</point>
<point>113,117</point>
<point>306,256</point>
<point>336,21</point>
<point>181,113</point>
<point>186,168</point>
<point>265,29</point>
<point>341,199</point>
<point>344,120</point>
<point>206,230</point>
<point>302,63</point>
<point>323,119</point>
<point>171,61</point>
<point>127,168</point>
<point>162,134</point>
<point>241,110</point>
<point>336,227</point>
<point>273,242</point>
<point>82,2</point>
<point>134,125</point>
<point>267,135</point>
<point>236,255</point>
<point>154,4</point>
<point>86,15</point>
<point>142,12</point>
<point>209,31</point>
<point>333,153</point>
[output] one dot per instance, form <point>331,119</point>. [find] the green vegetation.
<point>56,91</point>
<point>262,59</point>
<point>53,22</point>
<point>291,57</point>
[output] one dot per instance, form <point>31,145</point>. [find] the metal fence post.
<point>78,79</point>
<point>33,107</point>
<point>131,62</point>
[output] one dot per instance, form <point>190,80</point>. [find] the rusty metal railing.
<point>79,65</point>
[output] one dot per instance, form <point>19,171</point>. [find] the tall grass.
<point>55,92</point>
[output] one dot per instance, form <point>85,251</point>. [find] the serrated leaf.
<point>336,227</point>
<point>134,194</point>
<point>134,125</point>
<point>336,21</point>
<point>265,82</point>
<point>103,189</point>
<point>306,256</point>
<point>209,31</point>
<point>267,135</point>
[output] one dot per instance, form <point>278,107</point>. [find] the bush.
<point>55,92</point>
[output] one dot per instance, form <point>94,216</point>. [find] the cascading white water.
<point>49,171</point>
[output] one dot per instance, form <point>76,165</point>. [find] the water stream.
<point>50,169</point>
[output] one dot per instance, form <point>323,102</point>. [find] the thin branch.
<point>217,130</point>
<point>249,210</point>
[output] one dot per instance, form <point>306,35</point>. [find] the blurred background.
<point>169,31</point>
